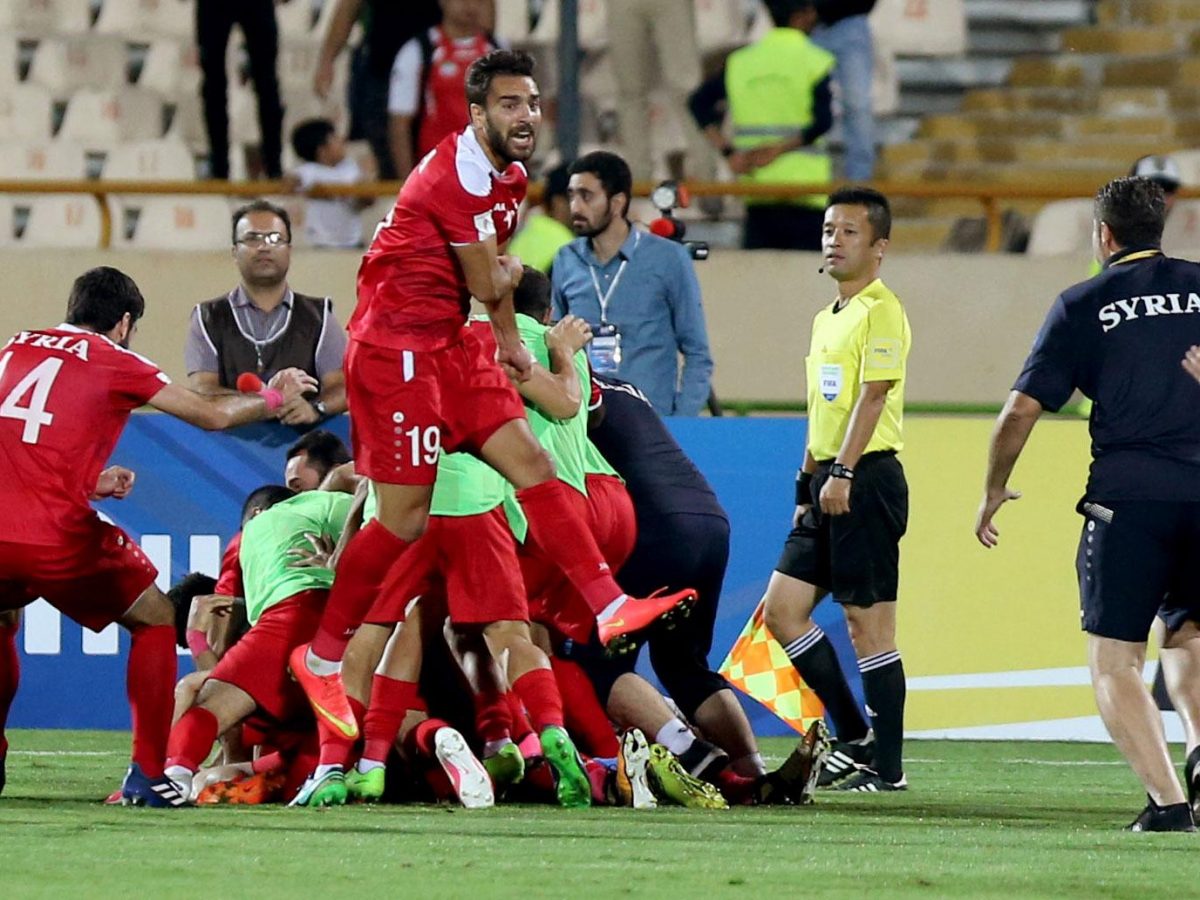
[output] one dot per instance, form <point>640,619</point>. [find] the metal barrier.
<point>990,196</point>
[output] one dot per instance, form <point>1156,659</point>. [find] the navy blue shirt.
<point>1119,338</point>
<point>660,478</point>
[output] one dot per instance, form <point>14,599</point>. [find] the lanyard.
<point>604,297</point>
<point>247,332</point>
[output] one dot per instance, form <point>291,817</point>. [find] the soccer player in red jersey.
<point>65,395</point>
<point>418,382</point>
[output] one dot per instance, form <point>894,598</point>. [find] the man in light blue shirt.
<point>638,292</point>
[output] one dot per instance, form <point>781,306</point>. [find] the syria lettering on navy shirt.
<point>1119,338</point>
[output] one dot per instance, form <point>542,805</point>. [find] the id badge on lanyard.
<point>605,349</point>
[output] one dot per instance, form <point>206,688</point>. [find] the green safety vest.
<point>770,89</point>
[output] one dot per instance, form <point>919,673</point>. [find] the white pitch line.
<point>64,753</point>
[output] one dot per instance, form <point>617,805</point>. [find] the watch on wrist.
<point>319,406</point>
<point>837,470</point>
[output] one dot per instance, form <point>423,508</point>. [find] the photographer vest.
<point>294,344</point>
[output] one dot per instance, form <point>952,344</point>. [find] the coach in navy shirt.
<point>1120,339</point>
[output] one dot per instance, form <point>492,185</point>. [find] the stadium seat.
<point>171,67</point>
<point>43,159</point>
<point>44,17</point>
<point>295,21</point>
<point>512,21</point>
<point>59,220</point>
<point>721,25</point>
<point>1181,237</point>
<point>885,80</point>
<point>67,64</point>
<point>101,119</point>
<point>179,223</point>
<point>1189,166</point>
<point>922,27</point>
<point>26,112</point>
<point>139,19</point>
<point>9,59</point>
<point>1064,226</point>
<point>154,160</point>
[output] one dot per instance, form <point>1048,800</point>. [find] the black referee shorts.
<point>1138,559</point>
<point>855,556</point>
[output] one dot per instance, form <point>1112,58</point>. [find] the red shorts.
<point>608,512</point>
<point>93,577</point>
<point>408,404</point>
<point>472,558</point>
<point>258,662</point>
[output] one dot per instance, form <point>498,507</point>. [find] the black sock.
<point>815,659</point>
<point>883,685</point>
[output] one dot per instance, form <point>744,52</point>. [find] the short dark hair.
<point>782,10</point>
<point>610,170</point>
<point>193,584</point>
<point>310,136</point>
<point>1135,210</point>
<point>260,205</point>
<point>532,295</point>
<point>879,211</point>
<point>264,498</point>
<point>556,182</point>
<point>488,66</point>
<point>323,448</point>
<point>101,296</point>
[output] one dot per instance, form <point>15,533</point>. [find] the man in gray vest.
<point>262,325</point>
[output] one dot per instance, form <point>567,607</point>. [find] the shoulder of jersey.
<point>474,171</point>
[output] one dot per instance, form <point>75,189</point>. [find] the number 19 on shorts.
<point>416,446</point>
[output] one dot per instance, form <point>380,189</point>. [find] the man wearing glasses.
<point>262,325</point>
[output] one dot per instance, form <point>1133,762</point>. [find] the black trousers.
<point>214,23</point>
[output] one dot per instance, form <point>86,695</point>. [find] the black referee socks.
<point>815,659</point>
<point>885,690</point>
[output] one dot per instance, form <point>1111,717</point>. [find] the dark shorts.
<point>1138,559</point>
<point>855,556</point>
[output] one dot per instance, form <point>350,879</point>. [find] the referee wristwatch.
<point>319,406</point>
<point>837,470</point>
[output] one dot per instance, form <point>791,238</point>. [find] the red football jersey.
<point>412,293</point>
<point>65,395</point>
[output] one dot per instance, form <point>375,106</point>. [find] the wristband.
<point>197,641</point>
<point>272,397</point>
<point>803,487</point>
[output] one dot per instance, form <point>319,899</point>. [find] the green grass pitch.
<point>1010,820</point>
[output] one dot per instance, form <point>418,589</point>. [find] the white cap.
<point>1162,169</point>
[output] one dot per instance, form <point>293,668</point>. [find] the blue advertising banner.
<point>188,497</point>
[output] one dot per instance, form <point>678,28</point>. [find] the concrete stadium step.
<point>1147,12</point>
<point>988,125</point>
<point>1166,71</point>
<point>1126,40</point>
<point>1105,101</point>
<point>1053,72</point>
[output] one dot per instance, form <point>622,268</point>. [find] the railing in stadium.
<point>991,197</point>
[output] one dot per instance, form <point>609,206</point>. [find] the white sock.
<point>608,611</point>
<point>181,778</point>
<point>319,666</point>
<point>676,737</point>
<point>369,765</point>
<point>324,770</point>
<point>491,748</point>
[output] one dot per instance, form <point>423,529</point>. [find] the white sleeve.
<point>404,87</point>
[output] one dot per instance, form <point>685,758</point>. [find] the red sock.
<point>737,789</point>
<point>150,684</point>
<point>268,762</point>
<point>564,537</point>
<point>192,738</point>
<point>586,719</point>
<point>521,726</point>
<point>493,718</point>
<point>390,702</point>
<point>10,676</point>
<point>361,571</point>
<point>337,750</point>
<point>539,692</point>
<point>420,739</point>
<point>598,774</point>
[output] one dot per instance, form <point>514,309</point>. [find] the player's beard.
<point>499,143</point>
<point>588,230</point>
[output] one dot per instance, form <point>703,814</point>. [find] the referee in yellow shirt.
<point>851,499</point>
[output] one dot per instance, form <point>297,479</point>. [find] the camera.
<point>668,196</point>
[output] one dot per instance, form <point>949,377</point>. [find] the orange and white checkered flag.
<point>757,666</point>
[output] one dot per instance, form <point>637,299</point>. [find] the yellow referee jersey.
<point>866,340</point>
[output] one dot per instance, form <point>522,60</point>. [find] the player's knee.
<point>779,614</point>
<point>151,608</point>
